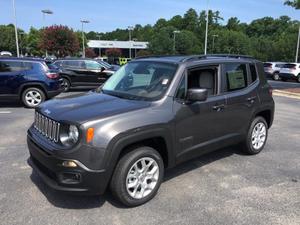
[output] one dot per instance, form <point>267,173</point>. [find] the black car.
<point>77,72</point>
<point>152,114</point>
<point>29,80</point>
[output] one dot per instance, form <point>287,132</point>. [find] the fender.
<point>30,84</point>
<point>119,142</point>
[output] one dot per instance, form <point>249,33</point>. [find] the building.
<point>125,46</point>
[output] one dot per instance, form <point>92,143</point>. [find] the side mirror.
<point>196,95</point>
<point>102,69</point>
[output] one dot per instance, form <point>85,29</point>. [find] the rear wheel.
<point>32,97</point>
<point>66,84</point>
<point>298,78</point>
<point>276,76</point>
<point>138,176</point>
<point>256,137</point>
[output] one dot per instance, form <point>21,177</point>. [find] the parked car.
<point>77,72</point>
<point>272,69</point>
<point>28,80</point>
<point>5,53</point>
<point>152,114</point>
<point>290,71</point>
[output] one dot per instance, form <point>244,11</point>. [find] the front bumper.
<point>79,179</point>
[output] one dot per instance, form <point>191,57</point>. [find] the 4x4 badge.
<point>47,111</point>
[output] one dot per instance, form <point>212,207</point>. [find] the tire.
<point>298,78</point>
<point>276,76</point>
<point>66,84</point>
<point>124,189</point>
<point>252,145</point>
<point>284,79</point>
<point>33,97</point>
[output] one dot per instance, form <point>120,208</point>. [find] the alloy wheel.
<point>33,98</point>
<point>259,134</point>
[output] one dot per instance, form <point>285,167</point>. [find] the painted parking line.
<point>5,112</point>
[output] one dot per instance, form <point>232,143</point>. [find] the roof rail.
<point>198,57</point>
<point>157,56</point>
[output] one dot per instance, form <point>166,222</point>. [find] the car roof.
<point>178,59</point>
<point>73,58</point>
<point>23,59</point>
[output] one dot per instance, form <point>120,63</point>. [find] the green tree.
<point>293,3</point>
<point>32,42</point>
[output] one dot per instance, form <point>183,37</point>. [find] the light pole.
<point>134,39</point>
<point>206,30</point>
<point>213,45</point>
<point>298,43</point>
<point>44,12</point>
<point>174,40</point>
<point>130,28</point>
<point>21,42</point>
<point>83,47</point>
<point>16,30</point>
<point>99,36</point>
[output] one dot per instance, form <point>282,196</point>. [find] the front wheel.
<point>256,137</point>
<point>276,76</point>
<point>32,97</point>
<point>138,176</point>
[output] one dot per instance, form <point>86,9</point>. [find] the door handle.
<point>218,107</point>
<point>251,99</point>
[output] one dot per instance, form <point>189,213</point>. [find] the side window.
<point>253,73</point>
<point>236,76</point>
<point>91,65</point>
<point>28,66</point>
<point>205,78</point>
<point>11,66</point>
<point>181,90</point>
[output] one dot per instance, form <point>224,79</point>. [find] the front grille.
<point>47,127</point>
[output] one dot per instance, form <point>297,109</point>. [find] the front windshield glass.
<point>141,80</point>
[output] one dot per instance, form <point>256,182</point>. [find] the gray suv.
<point>152,114</point>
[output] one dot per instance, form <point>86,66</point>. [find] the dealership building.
<point>99,46</point>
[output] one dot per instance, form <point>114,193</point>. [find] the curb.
<point>286,94</point>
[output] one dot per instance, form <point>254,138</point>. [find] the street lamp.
<point>99,36</point>
<point>44,12</point>
<point>16,30</point>
<point>298,43</point>
<point>134,39</point>
<point>206,30</point>
<point>213,45</point>
<point>130,28</point>
<point>174,37</point>
<point>83,47</point>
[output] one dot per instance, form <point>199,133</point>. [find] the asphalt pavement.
<point>223,187</point>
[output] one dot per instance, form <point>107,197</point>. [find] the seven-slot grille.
<point>47,127</point>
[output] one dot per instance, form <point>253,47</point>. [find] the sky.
<point>108,15</point>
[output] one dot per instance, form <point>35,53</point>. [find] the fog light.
<point>71,164</point>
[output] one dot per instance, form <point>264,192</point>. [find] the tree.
<point>233,23</point>
<point>32,42</point>
<point>7,38</point>
<point>59,40</point>
<point>113,52</point>
<point>187,43</point>
<point>293,3</point>
<point>90,53</point>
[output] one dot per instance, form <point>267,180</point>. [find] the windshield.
<point>141,80</point>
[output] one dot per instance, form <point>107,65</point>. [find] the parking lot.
<point>224,187</point>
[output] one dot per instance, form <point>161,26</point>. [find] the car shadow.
<point>11,104</point>
<point>74,201</point>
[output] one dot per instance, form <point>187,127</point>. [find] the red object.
<point>52,75</point>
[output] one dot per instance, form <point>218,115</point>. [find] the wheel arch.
<point>23,87</point>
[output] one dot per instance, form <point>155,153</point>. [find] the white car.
<point>290,71</point>
<point>272,69</point>
<point>5,53</point>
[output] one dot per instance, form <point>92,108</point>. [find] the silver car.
<point>272,69</point>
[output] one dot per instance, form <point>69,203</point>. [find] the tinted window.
<point>92,65</point>
<point>236,76</point>
<point>279,65</point>
<point>253,72</point>
<point>267,64</point>
<point>76,64</point>
<point>11,66</point>
<point>28,65</point>
<point>290,66</point>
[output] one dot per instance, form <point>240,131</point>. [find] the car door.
<point>11,75</point>
<point>198,125</point>
<point>94,71</point>
<point>240,82</point>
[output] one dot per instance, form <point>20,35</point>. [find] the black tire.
<point>298,78</point>
<point>284,79</point>
<point>276,76</point>
<point>38,93</point>
<point>66,84</point>
<point>247,145</point>
<point>119,178</point>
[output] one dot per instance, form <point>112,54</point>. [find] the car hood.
<point>86,107</point>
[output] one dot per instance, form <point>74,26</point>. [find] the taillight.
<point>52,75</point>
<point>271,91</point>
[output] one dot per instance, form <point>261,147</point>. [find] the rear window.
<point>267,64</point>
<point>279,65</point>
<point>289,65</point>
<point>11,66</point>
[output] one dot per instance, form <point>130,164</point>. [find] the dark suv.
<point>29,80</point>
<point>152,114</point>
<point>83,72</point>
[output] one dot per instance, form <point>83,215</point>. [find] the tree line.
<point>267,38</point>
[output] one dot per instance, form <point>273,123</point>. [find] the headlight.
<point>70,136</point>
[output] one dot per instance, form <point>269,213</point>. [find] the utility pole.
<point>83,46</point>
<point>16,30</point>
<point>206,30</point>
<point>130,28</point>
<point>99,36</point>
